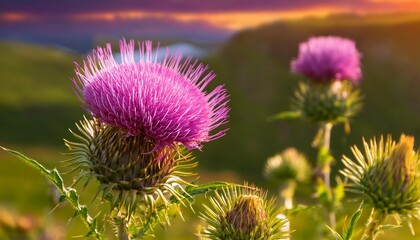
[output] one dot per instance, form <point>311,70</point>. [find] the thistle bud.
<point>242,213</point>
<point>247,217</point>
<point>288,165</point>
<point>331,102</point>
<point>387,176</point>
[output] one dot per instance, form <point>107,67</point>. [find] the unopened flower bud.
<point>242,213</point>
<point>387,175</point>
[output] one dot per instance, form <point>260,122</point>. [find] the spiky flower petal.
<point>130,169</point>
<point>328,58</point>
<point>387,174</point>
<point>164,101</point>
<point>288,165</point>
<point>333,102</point>
<point>242,214</point>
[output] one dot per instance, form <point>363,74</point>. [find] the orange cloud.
<point>226,20</point>
<point>232,20</point>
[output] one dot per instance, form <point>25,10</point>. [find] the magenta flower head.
<point>327,59</point>
<point>164,101</point>
<point>144,113</point>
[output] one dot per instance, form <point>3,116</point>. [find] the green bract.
<point>132,170</point>
<point>333,102</point>
<point>242,213</point>
<point>387,174</point>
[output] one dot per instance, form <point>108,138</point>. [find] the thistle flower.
<point>144,114</point>
<point>242,213</point>
<point>164,101</point>
<point>288,165</point>
<point>387,175</point>
<point>327,59</point>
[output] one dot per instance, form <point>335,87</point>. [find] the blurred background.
<point>249,44</point>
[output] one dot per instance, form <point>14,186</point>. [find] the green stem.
<point>122,228</point>
<point>287,191</point>
<point>326,169</point>
<point>374,222</point>
<point>326,145</point>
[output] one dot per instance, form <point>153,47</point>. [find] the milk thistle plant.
<point>327,97</point>
<point>144,118</point>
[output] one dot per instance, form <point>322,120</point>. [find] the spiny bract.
<point>387,174</point>
<point>242,213</point>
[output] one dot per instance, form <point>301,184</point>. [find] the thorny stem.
<point>374,222</point>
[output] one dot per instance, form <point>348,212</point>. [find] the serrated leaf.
<point>73,195</point>
<point>285,115</point>
<point>62,198</point>
<point>56,178</point>
<point>68,194</point>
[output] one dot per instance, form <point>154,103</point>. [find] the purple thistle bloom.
<point>164,101</point>
<point>326,59</point>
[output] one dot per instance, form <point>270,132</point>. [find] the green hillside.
<point>37,104</point>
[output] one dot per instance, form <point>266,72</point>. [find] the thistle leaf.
<point>348,232</point>
<point>285,115</point>
<point>68,194</point>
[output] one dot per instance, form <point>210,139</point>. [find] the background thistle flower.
<point>242,213</point>
<point>387,176</point>
<point>326,59</point>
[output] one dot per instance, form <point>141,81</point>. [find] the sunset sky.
<point>211,18</point>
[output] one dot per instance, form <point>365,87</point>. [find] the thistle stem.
<point>325,169</point>
<point>122,229</point>
<point>326,145</point>
<point>374,222</point>
<point>287,191</point>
